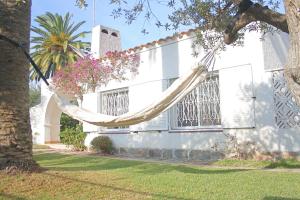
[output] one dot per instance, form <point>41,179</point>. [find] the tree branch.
<point>256,12</point>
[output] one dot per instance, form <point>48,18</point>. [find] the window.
<point>287,112</point>
<point>200,108</point>
<point>114,34</point>
<point>114,102</point>
<point>104,31</point>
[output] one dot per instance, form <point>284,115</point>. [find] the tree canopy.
<point>87,73</point>
<point>54,43</point>
<point>216,20</point>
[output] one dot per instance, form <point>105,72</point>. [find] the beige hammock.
<point>180,88</point>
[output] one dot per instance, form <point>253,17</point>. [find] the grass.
<point>92,177</point>
<point>287,164</point>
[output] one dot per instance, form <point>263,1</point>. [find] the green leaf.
<point>54,33</point>
<point>65,46</point>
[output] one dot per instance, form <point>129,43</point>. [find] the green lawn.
<point>88,177</point>
<point>280,164</point>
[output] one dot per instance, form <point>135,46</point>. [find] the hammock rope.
<point>18,45</point>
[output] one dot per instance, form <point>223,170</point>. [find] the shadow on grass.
<point>153,169</point>
<point>41,156</point>
<point>279,198</point>
<point>10,197</point>
<point>289,164</point>
<point>114,188</point>
<point>266,164</point>
<point>61,162</point>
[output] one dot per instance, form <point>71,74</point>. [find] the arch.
<point>52,122</point>
<point>104,31</point>
<point>45,118</point>
<point>114,34</point>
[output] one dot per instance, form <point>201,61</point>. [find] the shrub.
<point>102,144</point>
<point>74,136</point>
<point>67,122</point>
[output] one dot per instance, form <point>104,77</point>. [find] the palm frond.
<point>56,35</point>
<point>81,34</point>
<point>76,27</point>
<point>40,32</point>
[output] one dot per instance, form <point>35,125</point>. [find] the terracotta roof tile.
<point>162,40</point>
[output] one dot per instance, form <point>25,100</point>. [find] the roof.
<point>161,41</point>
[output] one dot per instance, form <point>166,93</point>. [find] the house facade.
<point>244,103</point>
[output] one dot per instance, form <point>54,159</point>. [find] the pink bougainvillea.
<point>87,73</point>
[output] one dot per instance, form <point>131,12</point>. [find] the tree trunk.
<point>292,71</point>
<point>15,131</point>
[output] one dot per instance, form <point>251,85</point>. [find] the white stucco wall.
<point>245,90</point>
<point>45,118</point>
<point>246,99</point>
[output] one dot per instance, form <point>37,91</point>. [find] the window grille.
<point>200,108</point>
<point>287,113</point>
<point>114,102</point>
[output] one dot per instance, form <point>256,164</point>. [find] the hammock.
<point>168,98</point>
<point>179,89</point>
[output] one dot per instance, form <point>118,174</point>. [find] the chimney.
<point>105,39</point>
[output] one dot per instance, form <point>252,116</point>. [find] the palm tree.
<point>15,131</point>
<point>55,42</point>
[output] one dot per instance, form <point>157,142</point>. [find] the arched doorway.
<point>52,122</point>
<point>45,119</point>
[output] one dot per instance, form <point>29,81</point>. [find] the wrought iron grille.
<point>114,102</point>
<point>287,113</point>
<point>200,108</point>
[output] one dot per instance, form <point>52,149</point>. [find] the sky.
<point>130,34</point>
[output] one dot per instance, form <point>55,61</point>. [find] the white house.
<point>245,97</point>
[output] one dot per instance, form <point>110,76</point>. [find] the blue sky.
<point>130,34</point>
